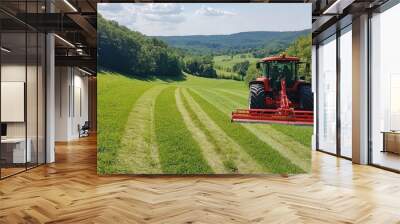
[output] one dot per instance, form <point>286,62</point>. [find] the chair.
<point>84,130</point>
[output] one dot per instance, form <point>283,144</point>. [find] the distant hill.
<point>234,43</point>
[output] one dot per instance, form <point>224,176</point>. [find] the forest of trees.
<point>132,53</point>
<point>271,48</point>
<point>241,68</point>
<point>200,66</point>
<point>302,49</point>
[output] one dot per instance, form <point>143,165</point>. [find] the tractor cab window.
<point>278,70</point>
<point>264,69</point>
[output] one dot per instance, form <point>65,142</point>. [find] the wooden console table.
<point>391,141</point>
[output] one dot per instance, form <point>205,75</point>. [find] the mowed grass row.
<point>301,134</point>
<point>179,153</point>
<point>116,95</point>
<point>285,145</point>
<point>229,152</point>
<point>227,161</point>
<point>264,154</point>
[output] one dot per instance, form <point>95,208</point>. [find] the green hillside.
<point>224,64</point>
<point>234,43</point>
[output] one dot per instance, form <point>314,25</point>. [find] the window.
<point>346,92</point>
<point>22,88</point>
<point>385,89</point>
<point>327,95</point>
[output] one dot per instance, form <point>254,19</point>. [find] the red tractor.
<point>280,95</point>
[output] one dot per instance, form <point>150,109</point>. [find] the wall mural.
<point>204,88</point>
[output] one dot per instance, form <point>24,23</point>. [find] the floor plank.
<point>69,191</point>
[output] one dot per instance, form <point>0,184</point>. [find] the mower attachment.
<point>274,116</point>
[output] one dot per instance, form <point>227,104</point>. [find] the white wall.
<point>9,73</point>
<point>33,126</point>
<point>71,102</point>
<point>62,82</point>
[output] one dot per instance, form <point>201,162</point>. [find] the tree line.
<point>200,66</point>
<point>132,53</point>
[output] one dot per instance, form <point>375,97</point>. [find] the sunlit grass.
<point>116,95</point>
<point>179,152</point>
<point>264,154</point>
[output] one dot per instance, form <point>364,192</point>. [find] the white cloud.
<point>164,19</point>
<point>129,14</point>
<point>163,13</point>
<point>110,6</point>
<point>208,11</point>
<point>124,14</point>
<point>162,9</point>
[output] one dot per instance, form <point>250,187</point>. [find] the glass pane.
<point>385,83</point>
<point>13,86</point>
<point>41,99</point>
<point>327,95</point>
<point>346,92</point>
<point>31,98</point>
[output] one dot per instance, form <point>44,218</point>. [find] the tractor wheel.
<point>306,97</point>
<point>257,96</point>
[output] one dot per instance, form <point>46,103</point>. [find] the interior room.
<point>47,83</point>
<point>335,56</point>
<point>71,102</point>
<point>48,150</point>
<point>385,87</point>
<point>22,99</point>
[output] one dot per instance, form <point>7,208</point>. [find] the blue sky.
<point>176,19</point>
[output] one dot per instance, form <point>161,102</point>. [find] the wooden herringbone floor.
<point>70,191</point>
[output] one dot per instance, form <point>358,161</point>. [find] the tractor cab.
<point>277,68</point>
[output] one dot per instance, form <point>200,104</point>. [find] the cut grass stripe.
<point>179,152</point>
<point>285,145</point>
<point>138,153</point>
<point>234,158</point>
<point>236,95</point>
<point>300,134</point>
<point>291,150</point>
<point>113,110</point>
<point>207,147</point>
<point>263,153</point>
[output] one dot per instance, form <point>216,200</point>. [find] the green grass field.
<point>184,127</point>
<point>223,64</point>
